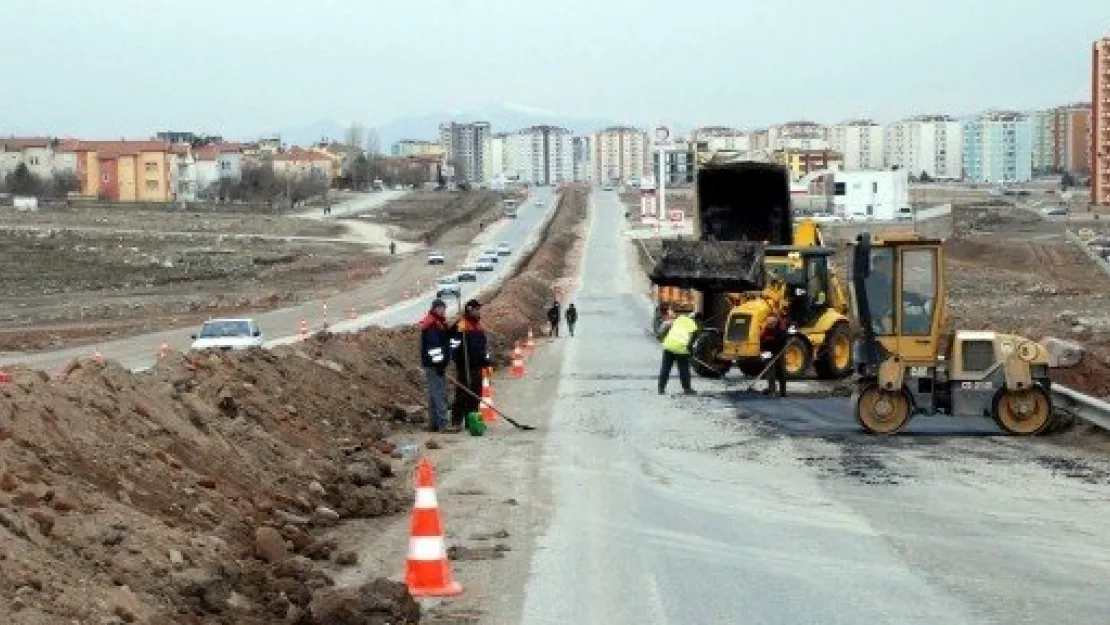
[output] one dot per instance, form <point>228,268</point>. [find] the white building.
<point>465,147</point>
<point>540,155</point>
<point>932,144</point>
<point>799,135</point>
<point>860,144</point>
<point>43,157</point>
<point>620,154</point>
<point>583,158</point>
<point>871,195</point>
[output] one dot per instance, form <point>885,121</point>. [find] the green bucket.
<point>474,424</point>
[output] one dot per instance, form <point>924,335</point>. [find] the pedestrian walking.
<point>553,319</point>
<point>678,339</point>
<point>471,355</point>
<point>572,318</point>
<point>772,342</point>
<point>435,354</point>
<point>392,247</point>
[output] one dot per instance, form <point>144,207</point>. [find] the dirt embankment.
<point>198,492</point>
<point>522,302</point>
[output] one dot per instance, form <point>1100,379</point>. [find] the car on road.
<point>468,273</point>
<point>227,334</point>
<point>448,285</point>
<point>485,264</point>
<point>436,257</point>
<point>490,257</point>
<point>503,249</point>
<point>537,203</point>
<point>491,252</point>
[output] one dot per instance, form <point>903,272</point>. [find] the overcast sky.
<point>130,67</point>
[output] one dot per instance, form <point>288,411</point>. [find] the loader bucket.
<point>710,266</point>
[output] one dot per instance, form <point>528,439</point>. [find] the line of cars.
<point>468,272</point>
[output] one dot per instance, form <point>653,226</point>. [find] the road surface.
<point>733,508</point>
<point>282,325</point>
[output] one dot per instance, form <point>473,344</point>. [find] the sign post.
<point>662,142</point>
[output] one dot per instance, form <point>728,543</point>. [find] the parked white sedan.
<point>228,334</point>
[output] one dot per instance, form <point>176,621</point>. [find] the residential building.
<point>582,154</point>
<point>926,144</point>
<point>870,195</point>
<point>464,148</point>
<point>620,154</point>
<point>126,171</point>
<point>679,165</point>
<point>1042,127</point>
<point>797,135</point>
<point>299,163</point>
<point>1100,122</point>
<point>802,163</point>
<point>1072,139</point>
<point>496,164</point>
<point>416,147</point>
<point>860,144</point>
<point>183,173</point>
<point>44,157</point>
<point>998,148</point>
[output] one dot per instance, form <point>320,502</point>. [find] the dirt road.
<point>630,507</point>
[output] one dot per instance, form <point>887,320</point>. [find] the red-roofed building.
<point>126,171</point>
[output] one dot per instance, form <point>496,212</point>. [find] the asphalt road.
<point>282,325</point>
<point>734,508</point>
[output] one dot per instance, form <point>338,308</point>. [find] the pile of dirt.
<point>522,301</point>
<point>426,216</point>
<point>194,493</point>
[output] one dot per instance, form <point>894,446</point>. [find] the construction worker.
<point>435,354</point>
<point>553,319</point>
<point>677,342</point>
<point>471,356</point>
<point>772,342</point>
<point>572,318</point>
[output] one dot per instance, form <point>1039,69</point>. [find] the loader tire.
<point>705,350</point>
<point>835,359</point>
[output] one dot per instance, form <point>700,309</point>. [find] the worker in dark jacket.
<point>553,319</point>
<point>572,318</point>
<point>435,354</point>
<point>772,342</point>
<point>471,355</point>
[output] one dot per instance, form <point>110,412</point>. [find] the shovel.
<point>522,426</point>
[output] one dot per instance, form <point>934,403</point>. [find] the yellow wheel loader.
<point>907,364</point>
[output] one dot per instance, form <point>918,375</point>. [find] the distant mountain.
<point>502,118</point>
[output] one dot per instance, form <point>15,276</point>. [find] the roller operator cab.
<point>801,286</point>
<point>906,362</point>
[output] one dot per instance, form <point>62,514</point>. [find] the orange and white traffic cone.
<point>97,357</point>
<point>488,414</point>
<point>304,328</point>
<point>164,350</point>
<point>427,570</point>
<point>517,371</point>
<point>5,377</point>
<point>530,343</point>
<point>352,313</point>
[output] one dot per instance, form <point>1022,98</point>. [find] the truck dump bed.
<point>741,207</point>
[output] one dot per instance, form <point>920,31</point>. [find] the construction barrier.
<point>427,570</point>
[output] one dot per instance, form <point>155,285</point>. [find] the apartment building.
<point>860,145</point>
<point>126,171</point>
<point>465,147</point>
<point>44,157</point>
<point>1100,122</point>
<point>1072,139</point>
<point>678,167</point>
<point>416,147</point>
<point>797,135</point>
<point>1042,126</point>
<point>583,158</point>
<point>801,163</point>
<point>620,154</point>
<point>998,147</point>
<point>542,155</point>
<point>299,163</point>
<point>926,144</point>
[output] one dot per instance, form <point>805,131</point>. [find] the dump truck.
<point>752,260</point>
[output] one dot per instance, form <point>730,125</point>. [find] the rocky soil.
<point>425,216</point>
<point>199,492</point>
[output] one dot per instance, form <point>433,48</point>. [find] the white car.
<point>537,203</point>
<point>448,285</point>
<point>485,264</point>
<point>436,258</point>
<point>227,334</point>
<point>468,273</point>
<point>503,249</point>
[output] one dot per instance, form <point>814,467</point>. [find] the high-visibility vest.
<point>678,338</point>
